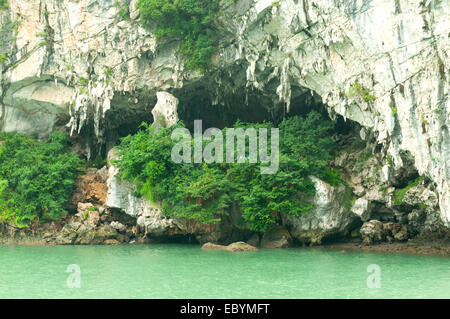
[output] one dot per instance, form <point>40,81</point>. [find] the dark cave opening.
<point>196,102</point>
<point>187,239</point>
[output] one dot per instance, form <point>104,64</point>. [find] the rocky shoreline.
<point>433,244</point>
<point>357,214</point>
<point>413,247</point>
<point>431,248</point>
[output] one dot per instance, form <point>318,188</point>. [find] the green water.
<point>182,271</point>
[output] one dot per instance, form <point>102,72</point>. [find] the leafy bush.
<point>124,9</point>
<point>399,194</point>
<point>3,57</point>
<point>205,192</point>
<point>36,178</point>
<point>4,4</point>
<point>188,20</point>
<point>357,89</point>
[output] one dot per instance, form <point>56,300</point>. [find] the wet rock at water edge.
<point>235,247</point>
<point>277,237</point>
<point>241,246</point>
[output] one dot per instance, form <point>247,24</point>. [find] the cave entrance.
<point>216,107</point>
<point>198,102</point>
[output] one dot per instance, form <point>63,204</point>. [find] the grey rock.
<point>36,107</point>
<point>118,226</point>
<point>362,208</point>
<point>373,231</point>
<point>401,235</point>
<point>277,237</point>
<point>328,218</point>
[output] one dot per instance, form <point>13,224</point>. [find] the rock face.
<point>375,231</point>
<point>121,196</point>
<point>329,217</point>
<point>36,107</point>
<point>165,112</point>
<point>362,208</point>
<point>382,64</point>
<point>91,187</point>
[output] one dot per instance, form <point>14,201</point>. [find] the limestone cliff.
<point>382,64</point>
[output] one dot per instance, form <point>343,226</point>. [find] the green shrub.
<point>3,57</point>
<point>36,178</point>
<point>4,4</point>
<point>206,192</point>
<point>357,89</point>
<point>394,110</point>
<point>400,193</point>
<point>191,21</point>
<point>349,199</point>
<point>124,9</point>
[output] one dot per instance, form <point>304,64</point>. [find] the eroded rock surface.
<point>329,218</point>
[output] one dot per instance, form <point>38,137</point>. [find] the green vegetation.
<point>124,9</point>
<point>92,209</point>
<point>3,57</point>
<point>36,178</point>
<point>206,192</point>
<point>423,206</point>
<point>108,71</point>
<point>191,21</point>
<point>15,26</point>
<point>389,160</point>
<point>423,120</point>
<point>349,199</point>
<point>98,163</point>
<point>393,109</point>
<point>4,4</point>
<point>365,156</point>
<point>357,89</point>
<point>44,35</point>
<point>86,213</point>
<point>400,193</point>
<point>48,34</point>
<point>84,81</point>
